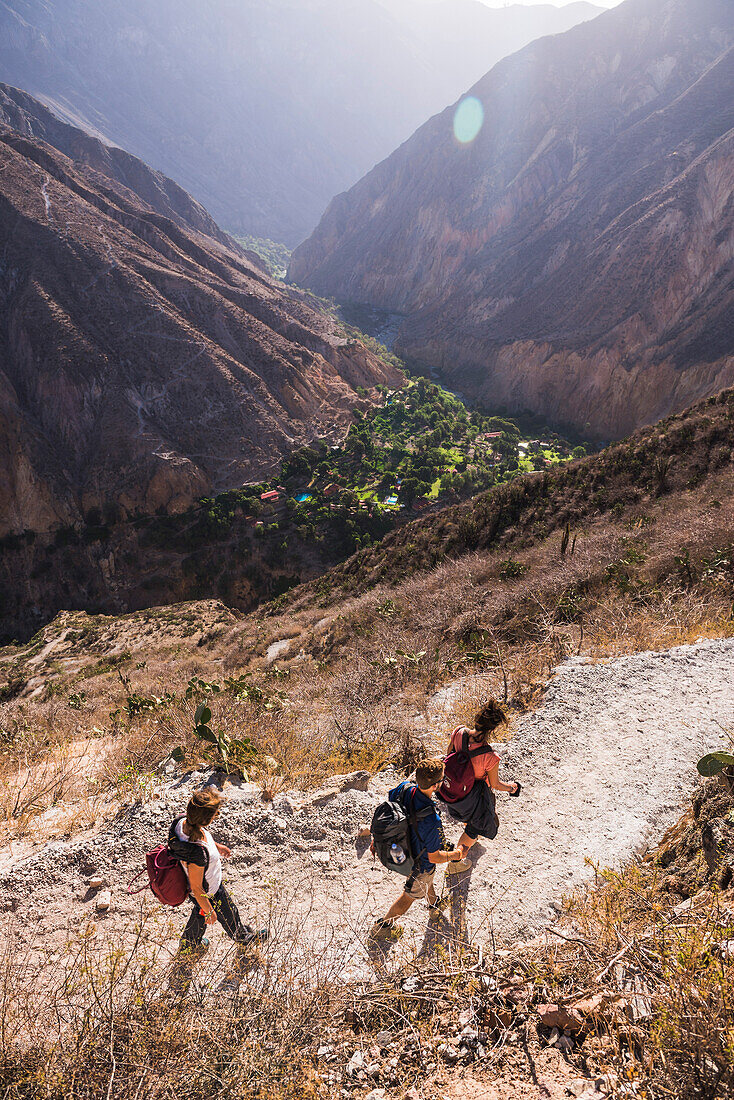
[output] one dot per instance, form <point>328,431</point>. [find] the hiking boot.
<point>439,904</point>
<point>254,938</point>
<point>383,930</point>
<point>458,865</point>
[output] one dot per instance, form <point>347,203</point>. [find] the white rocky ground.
<point>605,762</point>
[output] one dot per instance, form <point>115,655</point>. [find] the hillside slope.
<point>98,753</point>
<point>575,259</point>
<point>597,803</point>
<point>262,109</point>
<point>143,363</point>
<point>683,462</point>
<point>21,112</point>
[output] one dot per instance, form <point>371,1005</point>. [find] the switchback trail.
<point>606,763</point>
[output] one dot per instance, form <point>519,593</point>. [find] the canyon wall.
<point>145,361</point>
<point>575,259</point>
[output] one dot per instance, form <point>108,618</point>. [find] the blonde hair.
<point>428,773</point>
<point>201,810</point>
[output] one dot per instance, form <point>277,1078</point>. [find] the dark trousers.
<point>477,811</point>
<point>227,915</point>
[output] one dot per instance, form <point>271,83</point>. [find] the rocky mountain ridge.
<point>146,359</point>
<point>575,259</point>
<point>262,109</point>
<point>26,115</point>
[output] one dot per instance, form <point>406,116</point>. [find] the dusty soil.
<point>606,761</point>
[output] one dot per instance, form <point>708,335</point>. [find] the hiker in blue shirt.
<point>428,842</point>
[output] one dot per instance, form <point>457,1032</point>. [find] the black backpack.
<point>391,824</point>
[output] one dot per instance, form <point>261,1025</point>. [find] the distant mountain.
<point>575,259</point>
<point>262,109</point>
<point>145,360</point>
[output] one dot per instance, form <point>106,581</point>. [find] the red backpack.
<point>458,775</point>
<point>166,876</point>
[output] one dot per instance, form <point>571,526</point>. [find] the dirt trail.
<point>605,762</point>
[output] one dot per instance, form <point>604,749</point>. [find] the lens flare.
<point>468,119</point>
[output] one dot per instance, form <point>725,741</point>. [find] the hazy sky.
<point>558,3</point>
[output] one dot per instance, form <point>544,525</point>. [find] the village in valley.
<point>418,448</point>
<point>412,450</point>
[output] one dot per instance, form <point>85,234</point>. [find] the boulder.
<point>336,784</point>
<point>104,901</point>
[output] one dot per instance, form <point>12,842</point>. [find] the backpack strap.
<point>414,817</point>
<point>182,850</point>
<point>139,889</point>
<point>471,753</point>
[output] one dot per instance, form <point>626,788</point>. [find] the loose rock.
<point>104,901</point>
<point>563,1019</point>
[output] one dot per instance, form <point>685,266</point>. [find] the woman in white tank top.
<point>201,857</point>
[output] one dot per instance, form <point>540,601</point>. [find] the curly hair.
<point>428,773</point>
<point>492,715</point>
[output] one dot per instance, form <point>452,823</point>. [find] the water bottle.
<point>397,854</point>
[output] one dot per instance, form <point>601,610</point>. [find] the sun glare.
<point>468,119</point>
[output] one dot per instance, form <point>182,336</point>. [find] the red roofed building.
<point>272,495</point>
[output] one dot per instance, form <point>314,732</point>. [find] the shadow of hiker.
<point>184,963</point>
<point>438,937</point>
<point>449,932</point>
<point>378,952</point>
<point>239,965</point>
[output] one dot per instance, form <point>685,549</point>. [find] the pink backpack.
<point>167,878</point>
<point>458,776</point>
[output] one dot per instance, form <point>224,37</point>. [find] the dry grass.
<point>102,1023</point>
<point>392,670</point>
<point>368,677</point>
<point>99,1020</point>
<point>664,971</point>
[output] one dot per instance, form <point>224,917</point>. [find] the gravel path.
<point>606,763</point>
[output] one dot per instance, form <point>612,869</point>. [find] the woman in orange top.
<point>483,820</point>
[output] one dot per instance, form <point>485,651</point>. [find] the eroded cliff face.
<point>143,363</point>
<point>575,260</point>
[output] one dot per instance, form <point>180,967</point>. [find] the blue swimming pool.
<point>303,496</point>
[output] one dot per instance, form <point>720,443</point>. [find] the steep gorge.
<point>575,259</point>
<point>145,360</point>
<point>262,109</point>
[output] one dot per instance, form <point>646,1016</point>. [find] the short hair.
<point>428,773</point>
<point>201,810</point>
